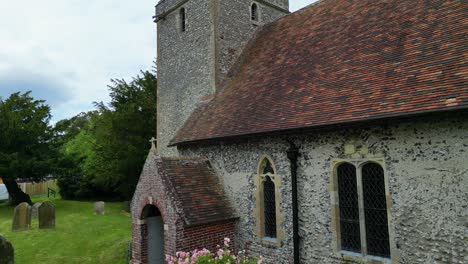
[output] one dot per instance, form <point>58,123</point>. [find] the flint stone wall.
<point>184,68</point>
<point>191,63</point>
<point>426,163</point>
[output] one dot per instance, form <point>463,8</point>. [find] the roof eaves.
<point>316,127</point>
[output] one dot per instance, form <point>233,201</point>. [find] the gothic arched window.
<point>349,208</point>
<point>254,12</point>
<point>267,167</point>
<point>268,215</point>
<point>269,207</point>
<point>183,19</point>
<point>375,210</point>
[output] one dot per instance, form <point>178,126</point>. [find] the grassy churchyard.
<point>79,237</point>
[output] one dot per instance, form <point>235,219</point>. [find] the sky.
<point>66,51</point>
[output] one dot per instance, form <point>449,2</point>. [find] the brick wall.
<point>152,190</point>
<point>207,236</point>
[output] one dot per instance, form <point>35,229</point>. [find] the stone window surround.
<point>259,13</point>
<point>335,221</point>
<point>259,178</point>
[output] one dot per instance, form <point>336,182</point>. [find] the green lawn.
<point>79,237</point>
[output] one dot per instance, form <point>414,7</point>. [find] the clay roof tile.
<point>341,61</point>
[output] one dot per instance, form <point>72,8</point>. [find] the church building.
<point>334,134</point>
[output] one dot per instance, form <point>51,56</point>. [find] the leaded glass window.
<point>349,208</point>
<point>268,168</point>
<point>362,203</point>
<point>375,210</point>
<point>269,207</point>
<point>268,213</point>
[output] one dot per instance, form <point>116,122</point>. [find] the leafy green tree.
<point>25,136</point>
<point>67,129</point>
<point>72,142</point>
<point>123,131</point>
<point>108,147</point>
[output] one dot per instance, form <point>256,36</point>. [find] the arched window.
<point>349,208</point>
<point>268,215</point>
<point>375,210</point>
<point>254,12</point>
<point>182,18</point>
<point>267,167</point>
<point>362,202</point>
<point>269,202</point>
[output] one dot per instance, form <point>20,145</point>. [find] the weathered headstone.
<point>22,217</point>
<point>46,213</point>
<point>6,252</point>
<point>35,210</point>
<point>100,208</point>
<point>126,206</point>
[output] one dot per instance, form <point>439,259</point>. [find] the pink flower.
<point>260,260</point>
<point>226,242</point>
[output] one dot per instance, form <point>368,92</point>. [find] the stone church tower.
<point>198,41</point>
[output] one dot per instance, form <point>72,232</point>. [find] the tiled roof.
<point>194,185</point>
<point>341,61</point>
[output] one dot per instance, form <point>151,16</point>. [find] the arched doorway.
<point>155,234</point>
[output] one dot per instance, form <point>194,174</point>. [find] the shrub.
<point>222,256</point>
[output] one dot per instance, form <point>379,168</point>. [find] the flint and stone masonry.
<point>362,65</point>
<point>191,64</point>
<point>427,170</point>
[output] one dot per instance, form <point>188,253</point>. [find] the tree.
<point>108,147</point>
<point>123,131</point>
<point>25,136</point>
<point>73,143</point>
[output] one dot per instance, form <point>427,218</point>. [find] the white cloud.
<point>68,50</point>
<point>79,44</point>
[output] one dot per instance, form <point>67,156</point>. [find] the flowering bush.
<point>222,256</point>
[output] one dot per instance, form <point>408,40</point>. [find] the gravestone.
<point>6,252</point>
<point>46,214</point>
<point>126,206</point>
<point>35,210</point>
<point>22,217</point>
<point>100,208</point>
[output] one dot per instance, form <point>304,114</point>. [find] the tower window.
<point>183,20</point>
<point>254,12</point>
